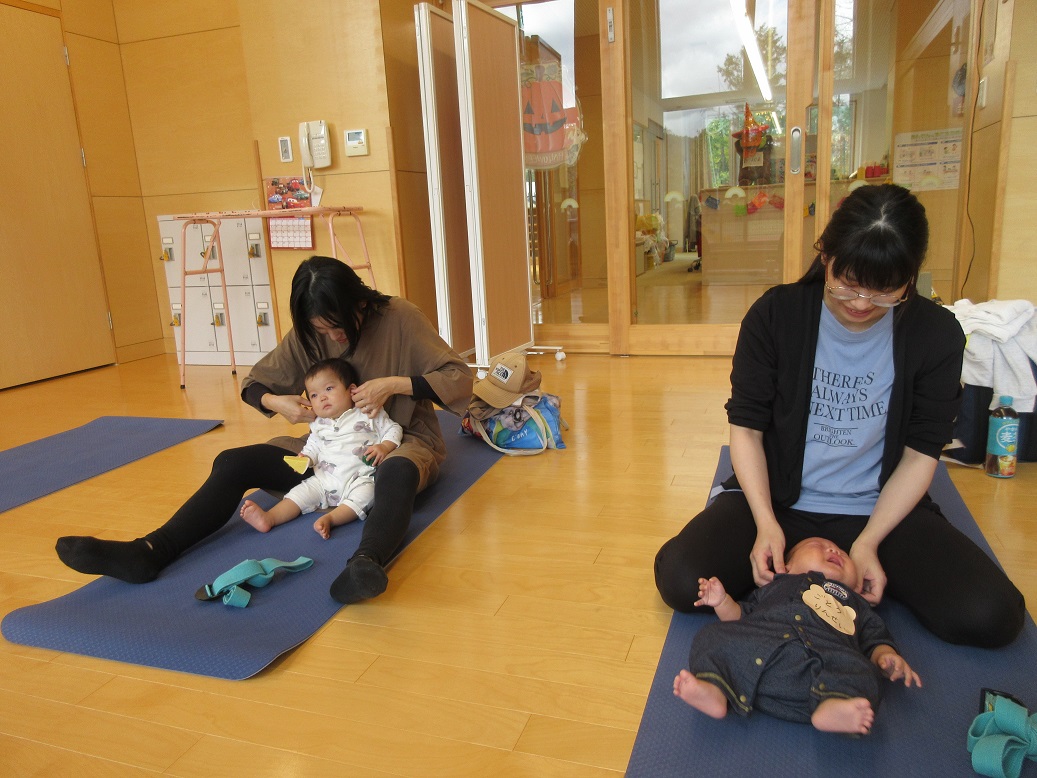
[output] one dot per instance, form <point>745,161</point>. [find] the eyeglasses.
<point>882,300</point>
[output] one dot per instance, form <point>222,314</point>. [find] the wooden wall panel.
<point>411,203</point>
<point>146,19</point>
<point>1024,31</point>
<point>104,116</point>
<point>1015,277</point>
<point>348,91</point>
<point>372,191</point>
<point>126,259</point>
<point>403,92</point>
<point>48,4</point>
<point>994,70</point>
<point>339,79</point>
<point>90,18</point>
<point>986,149</point>
<point>190,112</point>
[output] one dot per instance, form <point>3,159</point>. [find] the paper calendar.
<point>291,232</point>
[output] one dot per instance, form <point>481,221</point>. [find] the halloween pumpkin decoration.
<point>551,134</point>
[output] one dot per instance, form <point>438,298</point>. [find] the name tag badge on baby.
<point>840,617</point>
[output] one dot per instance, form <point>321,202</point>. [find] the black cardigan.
<point>773,365</point>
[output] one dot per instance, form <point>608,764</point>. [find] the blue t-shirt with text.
<point>846,425</point>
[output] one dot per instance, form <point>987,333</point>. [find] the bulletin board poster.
<point>925,161</point>
<point>285,192</point>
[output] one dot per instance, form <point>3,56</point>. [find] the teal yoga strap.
<point>252,572</point>
<point>999,740</point>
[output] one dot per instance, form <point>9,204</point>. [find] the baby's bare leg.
<point>701,695</point>
<point>336,517</point>
<point>851,716</point>
<point>264,521</point>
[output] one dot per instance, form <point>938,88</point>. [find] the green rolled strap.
<point>254,572</point>
<point>1000,739</point>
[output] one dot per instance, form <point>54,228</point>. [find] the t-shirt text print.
<point>839,398</point>
<point>846,426</point>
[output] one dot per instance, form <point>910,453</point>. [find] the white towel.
<point>992,356</point>
<point>999,320</point>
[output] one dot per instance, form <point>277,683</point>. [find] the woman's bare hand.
<point>371,396</point>
<point>292,406</point>
<point>768,554</point>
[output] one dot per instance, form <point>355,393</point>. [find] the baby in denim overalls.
<point>806,647</point>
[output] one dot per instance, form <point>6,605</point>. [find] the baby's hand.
<point>374,455</point>
<point>711,592</point>
<point>895,667</point>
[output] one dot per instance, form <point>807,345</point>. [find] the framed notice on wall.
<point>924,161</point>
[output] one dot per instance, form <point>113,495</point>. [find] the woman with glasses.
<point>844,390</point>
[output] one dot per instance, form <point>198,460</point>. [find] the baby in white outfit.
<point>344,448</point>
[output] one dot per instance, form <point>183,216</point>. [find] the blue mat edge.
<point>69,474</point>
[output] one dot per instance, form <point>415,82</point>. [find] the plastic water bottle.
<point>1002,439</point>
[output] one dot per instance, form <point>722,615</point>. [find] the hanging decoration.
<point>551,134</point>
<point>752,135</point>
<point>753,145</point>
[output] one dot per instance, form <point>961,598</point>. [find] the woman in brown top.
<point>404,367</point>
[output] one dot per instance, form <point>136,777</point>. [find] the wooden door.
<point>53,312</point>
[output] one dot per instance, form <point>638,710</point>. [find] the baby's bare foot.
<point>255,516</point>
<point>853,716</point>
<point>701,695</point>
<point>323,527</point>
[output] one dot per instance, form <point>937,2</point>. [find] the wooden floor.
<point>665,294</point>
<point>519,634</point>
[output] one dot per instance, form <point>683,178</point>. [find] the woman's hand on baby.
<point>292,406</point>
<point>873,577</point>
<point>711,592</point>
<point>371,396</point>
<point>768,554</point>
<point>894,666</point>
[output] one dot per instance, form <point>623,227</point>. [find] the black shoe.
<point>362,579</point>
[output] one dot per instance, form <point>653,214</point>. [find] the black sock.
<point>362,579</point>
<point>132,561</point>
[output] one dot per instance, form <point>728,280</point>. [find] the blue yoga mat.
<point>81,453</point>
<point>161,624</point>
<point>917,732</point>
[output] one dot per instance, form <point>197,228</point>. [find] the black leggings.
<point>954,589</point>
<point>237,470</point>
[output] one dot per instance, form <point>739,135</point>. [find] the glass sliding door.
<point>711,116</point>
<point>561,110</point>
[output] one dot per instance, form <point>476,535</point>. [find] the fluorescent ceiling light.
<point>752,50</point>
<point>777,125</point>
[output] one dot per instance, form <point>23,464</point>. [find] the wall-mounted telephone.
<point>314,144</point>
<point>314,149</point>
